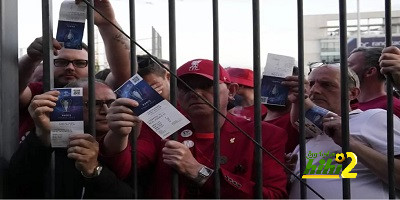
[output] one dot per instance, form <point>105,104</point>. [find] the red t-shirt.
<point>293,133</point>
<point>237,164</point>
<point>26,123</point>
<point>380,102</point>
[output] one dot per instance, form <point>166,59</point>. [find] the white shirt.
<point>370,128</point>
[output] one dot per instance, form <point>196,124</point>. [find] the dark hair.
<point>147,66</point>
<point>85,46</point>
<point>371,58</point>
<point>102,74</point>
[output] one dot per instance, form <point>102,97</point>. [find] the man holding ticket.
<point>80,173</point>
<point>192,155</point>
<point>367,135</point>
<point>72,64</point>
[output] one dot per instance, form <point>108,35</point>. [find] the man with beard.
<point>79,172</point>
<point>71,64</point>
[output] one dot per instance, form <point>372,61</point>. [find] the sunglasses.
<point>60,62</point>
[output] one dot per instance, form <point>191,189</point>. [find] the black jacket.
<point>29,175</point>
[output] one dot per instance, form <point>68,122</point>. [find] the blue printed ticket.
<point>275,71</point>
<point>163,118</point>
<point>67,116</point>
<point>273,92</point>
<point>71,24</point>
<point>313,121</point>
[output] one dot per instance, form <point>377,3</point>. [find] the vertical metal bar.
<point>389,90</point>
<point>153,42</point>
<point>173,81</point>
<point>257,100</point>
<point>217,137</point>
<point>48,74</point>
<point>47,19</point>
<point>159,46</point>
<point>302,136</point>
<point>344,91</point>
<point>8,87</point>
<point>91,52</point>
<point>134,67</point>
<point>358,25</point>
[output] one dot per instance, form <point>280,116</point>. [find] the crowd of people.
<point>100,166</point>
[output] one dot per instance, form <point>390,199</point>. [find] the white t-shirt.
<point>370,128</point>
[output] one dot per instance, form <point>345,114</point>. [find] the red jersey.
<point>26,123</point>
<point>292,133</point>
<point>237,163</point>
<point>380,102</point>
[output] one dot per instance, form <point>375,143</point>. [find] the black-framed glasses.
<point>100,103</point>
<point>60,62</point>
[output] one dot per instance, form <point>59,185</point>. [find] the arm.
<point>120,119</point>
<point>370,157</point>
<point>293,83</point>
<point>40,109</point>
<point>375,161</point>
<point>27,65</point>
<point>28,167</point>
<point>147,147</point>
<point>107,186</point>
<point>234,185</point>
<point>116,44</point>
<point>84,149</point>
<point>390,64</point>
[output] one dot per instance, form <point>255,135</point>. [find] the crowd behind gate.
<point>101,166</point>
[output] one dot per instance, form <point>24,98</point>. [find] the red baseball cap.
<point>241,76</point>
<point>204,68</point>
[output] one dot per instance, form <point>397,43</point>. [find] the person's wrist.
<point>118,134</point>
<point>203,174</point>
<point>93,172</point>
<point>34,59</point>
<point>114,142</point>
<point>43,135</point>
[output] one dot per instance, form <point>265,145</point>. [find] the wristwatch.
<point>203,174</point>
<point>96,172</point>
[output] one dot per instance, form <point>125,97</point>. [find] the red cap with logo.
<point>204,68</point>
<point>241,76</point>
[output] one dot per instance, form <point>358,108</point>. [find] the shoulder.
<point>36,88</point>
<point>372,112</point>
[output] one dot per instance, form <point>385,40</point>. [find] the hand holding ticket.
<point>277,68</point>
<point>71,24</point>
<point>313,121</point>
<point>67,116</point>
<point>154,110</point>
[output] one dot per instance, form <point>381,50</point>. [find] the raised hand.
<point>84,149</point>
<point>39,109</point>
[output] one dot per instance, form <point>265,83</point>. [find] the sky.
<point>194,29</point>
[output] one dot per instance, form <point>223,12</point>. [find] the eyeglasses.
<point>60,62</point>
<point>100,103</point>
